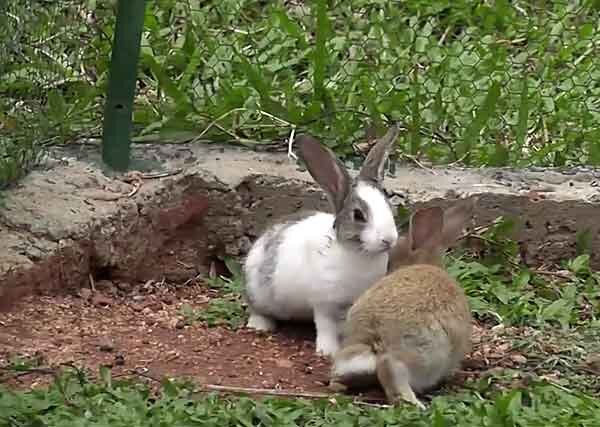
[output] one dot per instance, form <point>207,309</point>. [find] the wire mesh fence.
<point>53,61</point>
<point>476,82</point>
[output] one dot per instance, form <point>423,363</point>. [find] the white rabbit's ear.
<point>326,170</point>
<point>456,219</point>
<point>373,166</point>
<point>426,229</point>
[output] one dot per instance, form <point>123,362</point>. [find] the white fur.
<point>361,364</point>
<point>260,322</point>
<point>440,361</point>
<point>314,276</point>
<point>381,226</point>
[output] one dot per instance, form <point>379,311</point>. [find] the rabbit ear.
<point>426,229</point>
<point>431,231</point>
<point>400,254</point>
<point>373,165</point>
<point>456,219</point>
<point>326,170</point>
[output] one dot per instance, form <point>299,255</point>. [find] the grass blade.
<point>291,27</point>
<point>521,131</point>
<point>415,131</point>
<point>171,89</point>
<point>320,52</point>
<point>481,117</point>
<point>256,80</point>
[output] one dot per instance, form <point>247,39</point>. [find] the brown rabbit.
<point>412,328</point>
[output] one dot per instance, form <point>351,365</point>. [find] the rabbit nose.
<point>387,243</point>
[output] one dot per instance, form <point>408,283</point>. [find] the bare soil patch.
<point>141,329</point>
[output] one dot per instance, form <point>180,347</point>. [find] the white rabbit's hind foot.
<point>260,322</point>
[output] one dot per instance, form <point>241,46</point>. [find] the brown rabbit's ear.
<point>373,165</point>
<point>400,254</point>
<point>426,228</point>
<point>326,170</point>
<point>456,219</point>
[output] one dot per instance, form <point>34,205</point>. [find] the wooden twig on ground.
<point>29,371</point>
<point>369,401</point>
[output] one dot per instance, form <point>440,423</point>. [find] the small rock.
<point>85,293</point>
<point>592,362</point>
<point>168,299</point>
<point>518,358</point>
<point>138,297</point>
<point>105,286</point>
<point>137,307</point>
<point>100,300</point>
<point>119,360</point>
<point>106,346</point>
<point>498,328</point>
<point>154,306</point>
<point>180,324</point>
<point>124,286</point>
<point>284,363</point>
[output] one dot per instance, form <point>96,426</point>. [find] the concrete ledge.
<point>68,219</point>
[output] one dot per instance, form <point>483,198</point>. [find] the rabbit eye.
<point>359,216</point>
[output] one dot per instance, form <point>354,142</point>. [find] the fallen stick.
<point>28,371</point>
<point>365,401</point>
<point>287,393</point>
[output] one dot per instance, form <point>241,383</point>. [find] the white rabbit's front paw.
<point>260,323</point>
<point>326,324</point>
<point>327,344</point>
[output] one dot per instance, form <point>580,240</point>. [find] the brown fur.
<point>413,327</point>
<point>418,297</point>
<point>454,218</point>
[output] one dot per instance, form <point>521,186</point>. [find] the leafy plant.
<point>503,290</point>
<point>482,84</point>
<point>219,311</point>
<point>75,400</point>
<point>227,308</point>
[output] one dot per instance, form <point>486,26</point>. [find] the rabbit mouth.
<point>368,249</point>
<point>373,250</point>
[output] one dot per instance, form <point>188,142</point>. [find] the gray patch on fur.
<point>348,231</point>
<point>273,238</point>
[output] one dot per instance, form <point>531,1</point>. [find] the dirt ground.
<point>140,329</point>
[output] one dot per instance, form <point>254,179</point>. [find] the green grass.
<point>74,400</point>
<point>227,308</point>
<point>502,290</point>
<point>482,83</point>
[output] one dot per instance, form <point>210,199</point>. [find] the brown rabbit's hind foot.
<point>394,377</point>
<point>353,366</point>
<point>408,397</point>
<point>337,387</point>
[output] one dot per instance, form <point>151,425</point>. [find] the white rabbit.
<point>314,268</point>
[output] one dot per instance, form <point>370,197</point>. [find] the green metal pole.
<point>116,143</point>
